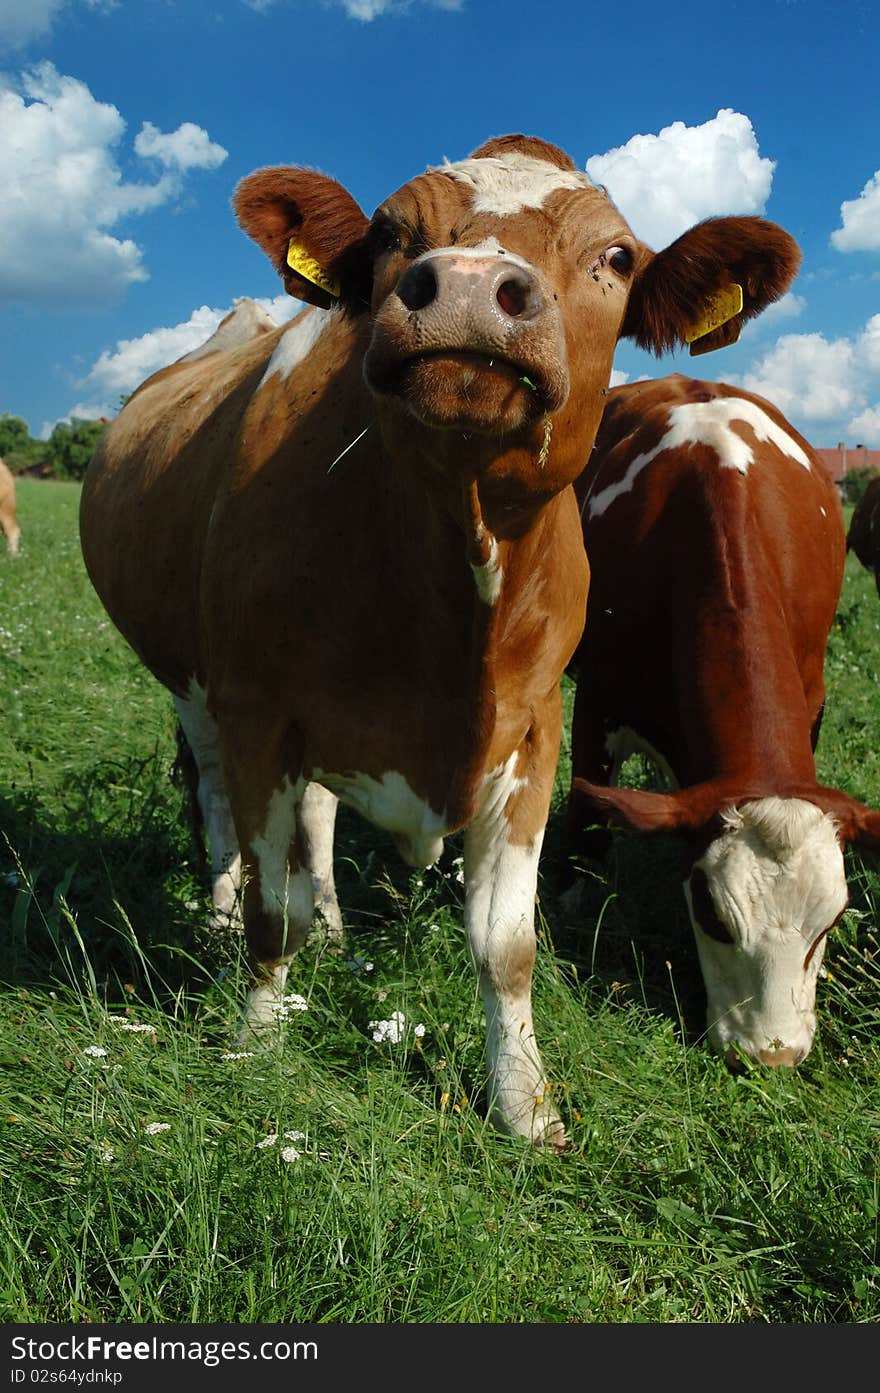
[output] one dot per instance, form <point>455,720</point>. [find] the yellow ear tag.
<point>306,266</point>
<point>716,312</point>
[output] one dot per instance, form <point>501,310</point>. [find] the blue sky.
<point>125,126</point>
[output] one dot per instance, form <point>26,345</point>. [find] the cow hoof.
<point>550,1135</point>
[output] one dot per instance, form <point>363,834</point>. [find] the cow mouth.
<point>467,388</point>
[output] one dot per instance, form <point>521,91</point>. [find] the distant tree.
<point>70,447</point>
<point>17,446</point>
<point>854,483</point>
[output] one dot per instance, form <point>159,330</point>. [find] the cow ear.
<point>703,287</point>
<point>636,809</point>
<point>312,231</point>
<point>856,823</point>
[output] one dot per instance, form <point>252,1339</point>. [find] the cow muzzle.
<point>472,341</point>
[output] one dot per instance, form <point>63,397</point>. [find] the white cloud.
<point>63,190</point>
<point>806,375</point>
<point>861,220</point>
<point>865,428</point>
<point>22,21</point>
<point>189,147</point>
<point>665,183</point>
<point>618,378</point>
<point>826,387</point>
<point>118,371</point>
<point>791,306</point>
<point>369,9</point>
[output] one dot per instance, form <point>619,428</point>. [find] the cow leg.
<point>266,794</point>
<point>202,736</point>
<point>501,851</point>
<point>316,821</point>
<point>13,534</point>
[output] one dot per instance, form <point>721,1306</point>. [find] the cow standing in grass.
<point>716,546</point>
<point>8,518</point>
<point>863,537</point>
<point>351,549</point>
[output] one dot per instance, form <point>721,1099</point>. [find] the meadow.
<point>151,1173</point>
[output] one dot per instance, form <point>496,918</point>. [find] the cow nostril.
<point>513,296</point>
<point>417,287</point>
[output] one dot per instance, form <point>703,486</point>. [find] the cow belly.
<point>390,803</point>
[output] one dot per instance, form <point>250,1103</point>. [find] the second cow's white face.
<point>762,900</point>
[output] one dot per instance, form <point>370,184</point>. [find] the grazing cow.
<point>351,548</point>
<point>863,537</point>
<point>8,519</point>
<point>716,549</point>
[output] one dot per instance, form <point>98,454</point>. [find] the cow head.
<point>497,288</point>
<point>766,883</point>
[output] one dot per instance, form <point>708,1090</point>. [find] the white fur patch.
<point>490,246</point>
<point>500,884</point>
<point>706,423</point>
<point>297,342</point>
<point>777,881</point>
<point>508,183</point>
<point>389,802</point>
<point>280,887</point>
<point>489,576</point>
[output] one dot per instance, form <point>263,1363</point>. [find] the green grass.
<point>687,1193</point>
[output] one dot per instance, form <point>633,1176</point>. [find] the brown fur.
<point>8,514</point>
<point>302,545</point>
<point>712,598</point>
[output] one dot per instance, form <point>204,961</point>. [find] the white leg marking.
<point>262,1008</point>
<point>285,893</point>
<point>500,884</point>
<point>316,821</point>
<point>200,730</point>
<point>282,890</point>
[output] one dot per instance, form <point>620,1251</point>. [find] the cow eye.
<point>384,236</point>
<point>703,908</point>
<point>620,259</point>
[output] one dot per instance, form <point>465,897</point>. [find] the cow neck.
<point>443,520</point>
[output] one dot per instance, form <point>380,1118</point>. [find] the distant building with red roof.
<point>840,460</point>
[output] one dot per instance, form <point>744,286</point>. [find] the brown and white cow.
<point>716,549</point>
<point>8,517</point>
<point>863,537</point>
<point>351,548</point>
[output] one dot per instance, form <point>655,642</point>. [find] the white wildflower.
<point>153,1129</point>
<point>269,1140</point>
<point>237,1054</point>
<point>105,1151</point>
<point>418,1030</point>
<point>288,1005</point>
<point>389,1030</point>
<point>290,1153</point>
<point>294,1136</point>
<point>458,869</point>
<point>135,1027</point>
<point>95,1051</point>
